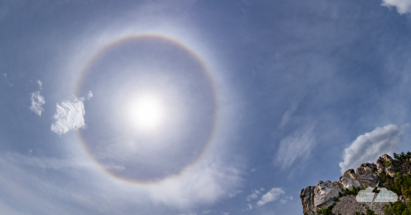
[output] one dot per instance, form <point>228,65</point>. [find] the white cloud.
<point>254,195</point>
<point>5,75</point>
<point>36,102</point>
<point>233,194</point>
<point>270,196</point>
<point>250,206</point>
<point>204,184</point>
<point>286,117</point>
<point>402,6</point>
<point>283,201</point>
<point>298,144</point>
<point>89,95</point>
<point>40,84</point>
<point>69,116</point>
<point>369,146</point>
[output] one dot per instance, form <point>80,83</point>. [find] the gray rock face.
<point>314,198</point>
<point>324,192</point>
<point>322,195</point>
<point>347,205</point>
<point>382,165</point>
<point>349,180</point>
<point>307,199</point>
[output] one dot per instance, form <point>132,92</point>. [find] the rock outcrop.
<point>324,192</point>
<point>348,206</point>
<point>307,199</point>
<point>323,195</point>
<point>382,165</point>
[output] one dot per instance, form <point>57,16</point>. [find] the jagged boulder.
<point>384,163</point>
<point>366,176</point>
<point>349,180</point>
<point>307,199</point>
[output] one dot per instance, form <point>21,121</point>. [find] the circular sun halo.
<point>147,113</point>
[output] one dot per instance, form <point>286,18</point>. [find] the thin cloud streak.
<point>297,145</point>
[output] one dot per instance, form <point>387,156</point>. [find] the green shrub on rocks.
<point>327,211</point>
<point>396,208</point>
<point>383,176</point>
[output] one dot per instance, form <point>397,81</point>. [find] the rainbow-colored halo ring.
<point>121,70</point>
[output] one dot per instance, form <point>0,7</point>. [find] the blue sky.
<point>195,107</point>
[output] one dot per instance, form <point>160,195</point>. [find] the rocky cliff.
<point>339,197</point>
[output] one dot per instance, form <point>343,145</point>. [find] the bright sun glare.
<point>147,112</point>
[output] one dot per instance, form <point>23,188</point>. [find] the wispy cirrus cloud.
<point>296,145</point>
<point>286,117</point>
<point>70,115</point>
<point>369,146</point>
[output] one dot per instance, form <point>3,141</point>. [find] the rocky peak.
<point>323,195</point>
<point>386,164</point>
<point>366,169</point>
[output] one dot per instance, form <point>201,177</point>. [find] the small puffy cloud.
<point>254,195</point>
<point>402,6</point>
<point>251,196</point>
<point>36,102</point>
<point>233,194</point>
<point>89,95</point>
<point>297,145</point>
<point>40,84</point>
<point>250,206</point>
<point>69,116</point>
<point>5,75</point>
<point>369,146</point>
<point>270,196</point>
<point>283,201</point>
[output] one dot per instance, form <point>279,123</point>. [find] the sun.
<point>147,112</point>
